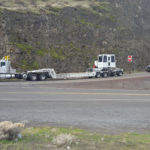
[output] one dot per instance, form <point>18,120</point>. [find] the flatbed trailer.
<point>43,74</point>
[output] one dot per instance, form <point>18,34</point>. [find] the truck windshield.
<point>100,58</point>
<point>2,64</point>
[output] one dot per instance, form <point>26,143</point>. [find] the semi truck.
<point>104,66</point>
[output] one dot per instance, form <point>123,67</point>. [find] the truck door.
<point>113,61</point>
<point>2,67</point>
<point>105,61</point>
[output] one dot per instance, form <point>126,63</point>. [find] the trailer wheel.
<point>98,75</point>
<point>33,77</point>
<point>105,75</point>
<point>120,73</point>
<point>42,77</point>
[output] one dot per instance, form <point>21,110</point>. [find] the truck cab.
<point>5,66</point>
<point>105,61</point>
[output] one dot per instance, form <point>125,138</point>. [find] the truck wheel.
<point>42,77</point>
<point>98,75</point>
<point>105,75</point>
<point>25,76</point>
<point>33,77</point>
<point>120,73</point>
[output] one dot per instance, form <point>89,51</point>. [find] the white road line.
<point>70,100</point>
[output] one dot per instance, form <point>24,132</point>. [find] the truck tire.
<point>33,77</point>
<point>105,75</point>
<point>120,73</point>
<point>98,75</point>
<point>42,77</point>
<point>24,76</point>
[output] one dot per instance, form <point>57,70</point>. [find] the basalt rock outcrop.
<point>69,38</point>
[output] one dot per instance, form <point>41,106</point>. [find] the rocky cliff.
<point>69,38</point>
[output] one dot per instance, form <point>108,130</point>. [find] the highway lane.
<point>105,110</point>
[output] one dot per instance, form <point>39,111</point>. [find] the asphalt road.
<point>47,103</point>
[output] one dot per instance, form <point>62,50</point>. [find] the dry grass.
<point>63,139</point>
<point>10,131</point>
<point>40,4</point>
<point>47,138</point>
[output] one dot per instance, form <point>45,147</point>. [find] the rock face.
<point>69,39</point>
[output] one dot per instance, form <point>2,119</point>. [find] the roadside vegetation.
<point>46,138</point>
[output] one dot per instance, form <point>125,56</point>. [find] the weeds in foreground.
<point>46,138</point>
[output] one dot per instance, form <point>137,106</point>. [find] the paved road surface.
<point>45,103</point>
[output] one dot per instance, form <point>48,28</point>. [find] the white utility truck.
<point>103,67</point>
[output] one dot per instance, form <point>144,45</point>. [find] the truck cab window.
<point>2,64</point>
<point>100,58</point>
<point>105,58</point>
<point>112,58</point>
